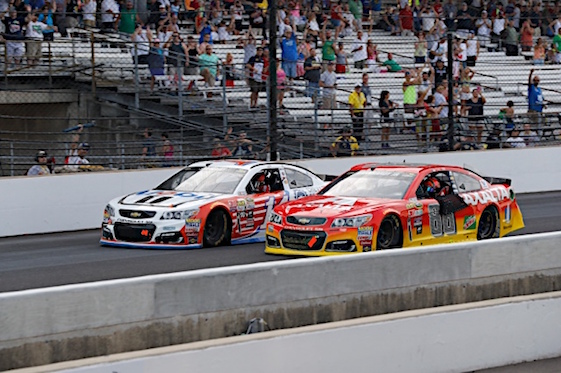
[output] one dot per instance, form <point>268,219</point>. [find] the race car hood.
<point>168,198</point>
<point>329,207</point>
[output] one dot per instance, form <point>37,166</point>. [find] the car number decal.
<point>441,224</point>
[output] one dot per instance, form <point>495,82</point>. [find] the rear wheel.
<point>217,229</point>
<point>389,234</point>
<point>488,224</point>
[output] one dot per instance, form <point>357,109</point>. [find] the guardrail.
<point>78,321</point>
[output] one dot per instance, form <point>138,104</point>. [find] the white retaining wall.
<point>447,339</point>
<point>72,202</point>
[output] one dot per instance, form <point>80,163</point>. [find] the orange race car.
<point>378,207</point>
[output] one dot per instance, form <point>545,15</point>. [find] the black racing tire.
<point>488,226</point>
<point>390,234</point>
<point>217,230</point>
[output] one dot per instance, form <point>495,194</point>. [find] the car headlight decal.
<point>353,222</point>
<point>179,215</point>
<point>275,218</point>
<point>109,212</point>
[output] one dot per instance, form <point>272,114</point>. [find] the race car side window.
<point>265,181</point>
<point>466,183</point>
<point>297,179</point>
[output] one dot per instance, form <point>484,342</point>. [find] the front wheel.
<point>389,234</point>
<point>217,229</point>
<point>488,224</point>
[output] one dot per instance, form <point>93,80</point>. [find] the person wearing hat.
<point>345,145</point>
<point>357,102</point>
<point>289,50</point>
<point>41,168</point>
<point>78,150</point>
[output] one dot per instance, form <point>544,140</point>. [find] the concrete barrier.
<point>72,202</point>
<point>457,338</point>
<point>78,321</point>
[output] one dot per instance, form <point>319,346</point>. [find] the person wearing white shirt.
<point>34,34</point>
<point>498,27</point>
<point>359,50</point>
<point>514,140</point>
<point>472,51</point>
<point>89,7</point>
<point>484,26</point>
<point>109,13</point>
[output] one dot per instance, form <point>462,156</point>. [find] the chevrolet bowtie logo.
<point>136,214</point>
<point>304,221</point>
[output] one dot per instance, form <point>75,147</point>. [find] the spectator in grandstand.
<point>438,73</point>
<point>327,49</point>
<point>70,18</point>
<point>498,27</point>
<point>255,66</point>
<point>192,55</point>
<point>41,168</point>
<point>359,50</point>
<point>472,49</point>
<point>466,76</point>
<point>372,57</point>
<point>249,47</point>
<point>368,108</point>
<point>412,79</point>
<point>109,14</point>
<point>257,22</point>
<point>167,150</point>
<point>341,58</point>
<point>388,22</point>
<point>148,148</point>
<point>357,102</point>
<point>328,83</point>
<point>78,155</point>
<point>554,26</point>
<point>345,145</point>
<point>336,17</point>
<point>475,112</point>
<point>428,18</point>
<point>406,21</point>
<point>312,68</point>
<point>219,150</point>
<point>34,35</point>
<point>289,50</point>
<point>449,11</point>
<point>557,46</point>
<point>526,36</point>
<point>467,142</point>
<point>539,52</point>
<point>155,60</point>
<point>484,26</point>
<point>153,8</point>
<point>348,22</point>
<point>426,83</point>
<point>386,106</point>
<point>536,19</point>
<point>530,137</point>
<point>391,64</point>
<point>89,9</point>
<point>281,80</point>
<point>208,63</point>
<point>237,11</point>
<point>420,53</point>
<point>507,114</point>
<point>47,17</point>
<point>356,9</point>
<point>128,19</point>
<point>494,139</point>
<point>14,37</point>
<point>439,51</point>
<point>464,20</point>
<point>142,37</point>
<point>440,100</point>
<point>514,140</point>
<point>535,98</point>
<point>511,39</point>
<point>243,146</point>
<point>228,67</point>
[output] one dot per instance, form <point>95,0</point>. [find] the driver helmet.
<point>260,184</point>
<point>432,186</point>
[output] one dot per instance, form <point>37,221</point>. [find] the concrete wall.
<point>66,202</point>
<point>457,338</point>
<point>77,321</point>
<point>72,202</point>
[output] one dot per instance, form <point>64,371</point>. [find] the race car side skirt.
<point>149,246</point>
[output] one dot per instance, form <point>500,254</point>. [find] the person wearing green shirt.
<point>128,18</point>
<point>209,64</point>
<point>355,7</point>
<point>327,50</point>
<point>391,64</point>
<point>557,44</point>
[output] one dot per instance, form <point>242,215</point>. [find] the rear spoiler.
<point>498,180</point>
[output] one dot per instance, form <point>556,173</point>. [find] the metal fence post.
<point>93,62</point>
<point>224,101</point>
<point>180,90</point>
<point>316,125</point>
<point>6,62</point>
<point>50,67</point>
<point>181,148</point>
<point>12,159</point>
<point>136,78</point>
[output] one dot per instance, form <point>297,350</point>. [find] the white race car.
<point>206,204</point>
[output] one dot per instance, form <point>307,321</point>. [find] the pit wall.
<point>460,338</point>
<point>33,205</point>
<point>77,321</point>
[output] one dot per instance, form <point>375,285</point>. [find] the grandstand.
<point>103,61</point>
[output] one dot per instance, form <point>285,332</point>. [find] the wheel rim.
<point>214,225</point>
<point>385,235</point>
<point>486,224</point>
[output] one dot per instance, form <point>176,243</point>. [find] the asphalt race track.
<point>29,262</point>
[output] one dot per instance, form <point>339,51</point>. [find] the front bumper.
<point>285,240</point>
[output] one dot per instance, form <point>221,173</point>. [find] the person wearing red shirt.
<point>406,21</point>
<point>219,150</point>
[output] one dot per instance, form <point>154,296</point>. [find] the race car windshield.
<point>378,183</point>
<point>213,180</point>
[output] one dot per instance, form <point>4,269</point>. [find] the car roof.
<point>233,163</point>
<point>405,167</point>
